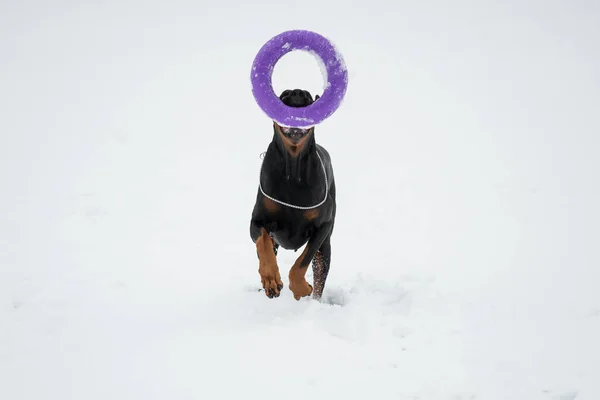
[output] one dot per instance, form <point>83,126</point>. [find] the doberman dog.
<point>295,205</point>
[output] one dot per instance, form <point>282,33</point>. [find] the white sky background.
<point>465,152</point>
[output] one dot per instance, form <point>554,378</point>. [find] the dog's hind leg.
<point>298,285</point>
<point>320,266</point>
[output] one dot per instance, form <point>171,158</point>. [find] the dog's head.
<point>296,98</point>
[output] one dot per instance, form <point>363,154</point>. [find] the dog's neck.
<point>296,156</point>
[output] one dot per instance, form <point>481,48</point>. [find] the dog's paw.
<point>272,287</point>
<point>271,282</point>
<point>300,289</point>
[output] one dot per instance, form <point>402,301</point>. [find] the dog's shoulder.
<point>323,151</point>
<point>326,157</point>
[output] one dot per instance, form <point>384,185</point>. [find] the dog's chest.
<point>291,234</point>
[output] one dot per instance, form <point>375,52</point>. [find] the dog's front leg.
<point>267,265</point>
<point>298,285</point>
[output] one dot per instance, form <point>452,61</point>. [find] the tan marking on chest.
<point>310,215</point>
<point>270,205</point>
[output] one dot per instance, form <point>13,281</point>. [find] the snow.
<point>322,69</point>
<point>465,254</point>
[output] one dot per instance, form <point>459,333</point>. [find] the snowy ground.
<point>465,256</point>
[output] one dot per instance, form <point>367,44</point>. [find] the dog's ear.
<point>317,97</point>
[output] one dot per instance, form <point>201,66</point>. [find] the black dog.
<point>295,205</point>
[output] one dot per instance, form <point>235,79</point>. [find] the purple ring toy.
<point>262,71</point>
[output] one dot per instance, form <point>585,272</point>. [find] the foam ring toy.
<point>333,66</point>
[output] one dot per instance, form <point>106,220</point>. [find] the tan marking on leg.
<point>270,205</point>
<point>298,285</point>
<point>309,215</point>
<point>293,148</point>
<point>267,268</point>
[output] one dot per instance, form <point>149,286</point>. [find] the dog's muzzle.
<point>295,134</point>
